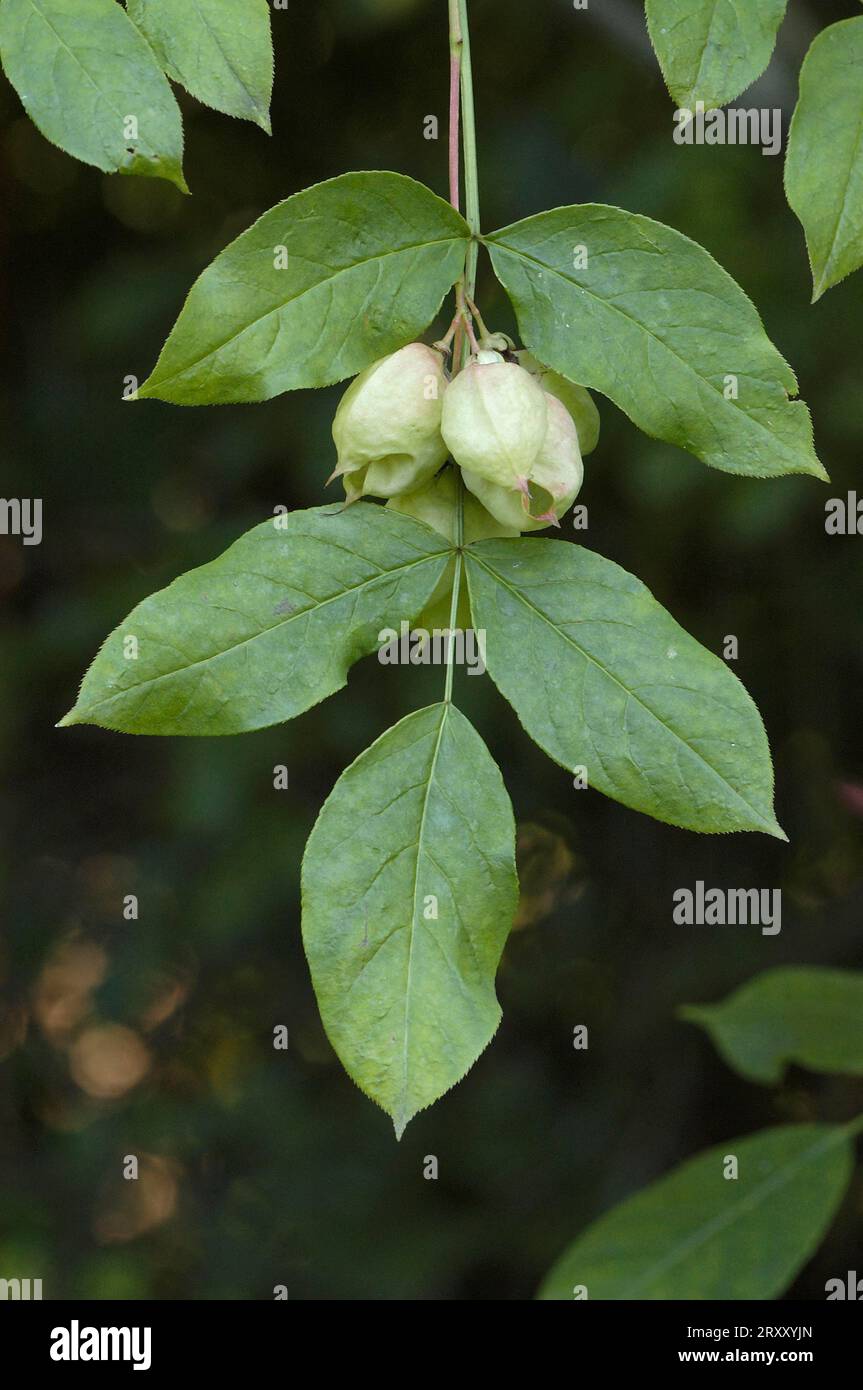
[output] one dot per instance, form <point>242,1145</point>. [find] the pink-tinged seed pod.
<point>494,420</point>
<point>553,485</point>
<point>387,425</point>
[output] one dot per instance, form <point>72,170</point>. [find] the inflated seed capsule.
<point>553,484</point>
<point>494,420</point>
<point>387,425</point>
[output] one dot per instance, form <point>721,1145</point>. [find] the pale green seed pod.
<point>437,505</point>
<point>387,425</point>
<point>577,400</point>
<point>553,485</point>
<point>494,420</point>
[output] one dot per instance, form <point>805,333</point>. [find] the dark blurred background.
<point>154,1037</point>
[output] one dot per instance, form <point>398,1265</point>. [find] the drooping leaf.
<point>824,164</point>
<point>602,677</point>
<point>409,890</point>
<point>655,324</point>
<point>699,1234</point>
<point>268,629</point>
<point>807,1015</point>
<point>320,286</point>
<point>91,84</point>
<point>220,50</point>
<point>712,50</point>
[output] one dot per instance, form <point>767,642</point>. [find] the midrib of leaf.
<point>228,60</point>
<point>738,1209</point>
<point>630,694</point>
<point>400,1119</point>
<point>606,303</point>
<point>160,380</point>
<point>289,618</point>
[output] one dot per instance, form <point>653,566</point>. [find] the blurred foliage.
<point>154,1037</point>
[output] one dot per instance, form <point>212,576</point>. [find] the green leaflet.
<point>824,164</point>
<point>601,676</point>
<point>696,1234</point>
<point>267,630</point>
<point>220,50</point>
<point>83,71</point>
<point>712,50</point>
<point>655,324</point>
<point>802,1014</point>
<point>370,257</point>
<point>408,1000</point>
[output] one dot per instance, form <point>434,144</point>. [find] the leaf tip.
<point>68,720</point>
<point>178,179</point>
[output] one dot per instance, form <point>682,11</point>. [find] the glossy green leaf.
<point>267,630</point>
<point>602,677</point>
<point>824,165</point>
<point>220,50</point>
<point>697,1234</point>
<point>712,50</point>
<point>419,825</point>
<point>86,76</point>
<point>655,324</point>
<point>810,1016</point>
<point>319,287</point>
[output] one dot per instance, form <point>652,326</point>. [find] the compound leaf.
<point>712,50</point>
<point>91,84</point>
<point>268,629</point>
<point>409,890</point>
<point>824,164</point>
<point>699,1234</point>
<point>634,309</point>
<point>807,1015</point>
<point>322,285</point>
<point>602,677</point>
<point>220,50</point>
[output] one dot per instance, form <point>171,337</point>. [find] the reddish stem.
<point>454,85</point>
